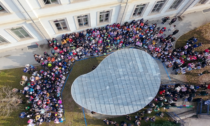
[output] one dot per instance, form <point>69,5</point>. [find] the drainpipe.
<point>124,11</point>
<point>31,19</point>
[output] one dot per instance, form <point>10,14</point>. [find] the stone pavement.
<point>19,58</point>
<point>197,122</point>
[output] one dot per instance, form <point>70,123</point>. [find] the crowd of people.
<point>43,88</point>
<point>183,59</point>
<point>92,42</point>
<point>97,41</point>
<point>42,92</point>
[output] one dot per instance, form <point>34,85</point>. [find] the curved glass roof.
<point>123,83</point>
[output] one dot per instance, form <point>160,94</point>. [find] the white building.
<point>30,22</point>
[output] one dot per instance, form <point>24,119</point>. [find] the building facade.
<point>30,22</point>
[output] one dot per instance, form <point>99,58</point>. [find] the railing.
<point>200,108</point>
<point>176,118</point>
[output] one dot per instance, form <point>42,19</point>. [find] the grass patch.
<point>12,78</point>
<point>202,33</point>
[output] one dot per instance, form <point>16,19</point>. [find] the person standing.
<point>173,20</point>
<point>175,32</point>
<point>165,19</point>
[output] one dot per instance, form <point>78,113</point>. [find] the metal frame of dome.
<point>123,83</point>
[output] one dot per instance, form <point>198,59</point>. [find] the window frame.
<point>55,27</point>
<point>160,8</point>
<point>77,1</point>
<point>6,41</point>
<point>104,22</point>
<point>177,6</point>
<point>77,23</point>
<point>198,3</point>
<point>42,4</point>
<point>6,11</point>
<point>141,15</point>
<point>16,36</point>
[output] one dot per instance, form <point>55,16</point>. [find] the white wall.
<point>14,12</point>
<point>67,10</point>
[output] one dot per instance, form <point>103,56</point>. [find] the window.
<point>139,9</point>
<point>3,9</point>
<point>104,16</point>
<point>202,2</point>
<point>158,6</point>
<point>83,20</point>
<point>61,25</point>
<point>2,40</point>
<point>47,2</point>
<point>20,32</point>
<point>175,4</point>
<point>75,1</point>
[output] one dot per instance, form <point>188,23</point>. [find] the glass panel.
<point>202,1</point>
<point>104,16</point>
<point>47,1</point>
<point>139,11</point>
<point>18,33</point>
<point>101,18</point>
<point>64,25</point>
<point>158,6</point>
<point>80,22</point>
<point>54,1</point>
<point>2,39</point>
<point>154,9</point>
<point>1,8</point>
<point>50,1</point>
<point>158,9</point>
<point>85,21</point>
<point>175,4</point>
<point>24,32</point>
<point>107,17</point>
<point>58,26</point>
<point>135,11</point>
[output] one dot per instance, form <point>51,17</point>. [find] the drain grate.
<point>32,46</point>
<point>206,10</point>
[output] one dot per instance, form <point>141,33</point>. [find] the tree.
<point>9,101</point>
